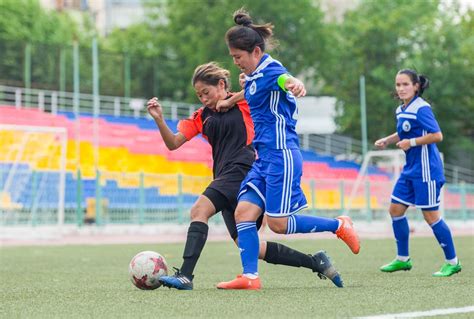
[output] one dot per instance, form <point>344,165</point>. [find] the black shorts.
<point>228,182</point>
<point>222,204</point>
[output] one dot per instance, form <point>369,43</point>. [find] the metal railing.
<point>55,101</point>
<point>331,144</point>
<point>167,198</point>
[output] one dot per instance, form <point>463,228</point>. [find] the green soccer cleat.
<point>447,270</point>
<point>397,265</point>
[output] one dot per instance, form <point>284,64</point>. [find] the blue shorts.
<point>413,192</point>
<point>275,178</point>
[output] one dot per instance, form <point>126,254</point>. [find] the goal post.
<point>388,161</point>
<point>32,174</point>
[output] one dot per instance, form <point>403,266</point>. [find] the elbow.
<point>171,147</point>
<point>438,137</point>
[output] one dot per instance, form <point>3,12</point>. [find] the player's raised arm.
<point>289,83</point>
<point>225,105</point>
<point>172,141</point>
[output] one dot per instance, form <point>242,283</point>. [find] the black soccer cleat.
<point>325,269</point>
<point>177,281</point>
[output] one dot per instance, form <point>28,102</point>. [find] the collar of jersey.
<point>260,65</point>
<point>404,109</point>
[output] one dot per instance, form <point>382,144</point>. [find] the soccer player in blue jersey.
<point>422,177</point>
<point>230,135</point>
<point>273,183</point>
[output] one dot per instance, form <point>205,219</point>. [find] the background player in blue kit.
<point>422,177</point>
<point>273,184</point>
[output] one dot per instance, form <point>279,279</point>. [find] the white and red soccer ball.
<point>146,268</point>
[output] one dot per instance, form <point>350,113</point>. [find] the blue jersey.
<point>423,162</point>
<point>273,110</point>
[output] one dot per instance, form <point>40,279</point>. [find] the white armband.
<point>413,142</point>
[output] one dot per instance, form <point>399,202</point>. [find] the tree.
<point>377,39</point>
<point>46,32</point>
<point>187,33</point>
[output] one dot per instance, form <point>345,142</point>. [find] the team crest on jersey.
<point>253,88</point>
<point>406,126</point>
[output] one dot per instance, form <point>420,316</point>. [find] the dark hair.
<point>415,78</point>
<point>211,73</point>
<point>246,35</point>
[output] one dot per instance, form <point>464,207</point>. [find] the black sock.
<point>197,236</point>
<point>282,255</point>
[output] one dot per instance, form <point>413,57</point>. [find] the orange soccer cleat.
<point>241,282</point>
<point>348,234</point>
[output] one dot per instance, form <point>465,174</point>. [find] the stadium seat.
<point>128,146</point>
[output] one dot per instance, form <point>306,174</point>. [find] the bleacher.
<point>135,166</point>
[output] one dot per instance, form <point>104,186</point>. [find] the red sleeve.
<point>191,126</point>
<point>244,108</point>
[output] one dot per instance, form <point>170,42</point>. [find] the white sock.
<point>251,276</point>
<point>339,225</point>
<point>453,261</point>
<point>403,258</point>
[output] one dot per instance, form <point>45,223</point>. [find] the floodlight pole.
<point>27,73</point>
<point>95,93</point>
<point>363,115</point>
<point>126,73</point>
<point>62,72</point>
<point>76,88</point>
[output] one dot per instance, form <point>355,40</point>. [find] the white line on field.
<point>416,314</point>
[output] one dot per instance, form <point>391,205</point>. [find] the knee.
<point>431,217</point>
<point>277,226</point>
<point>397,210</point>
<point>199,213</point>
<point>394,213</point>
<point>246,212</point>
<point>240,215</point>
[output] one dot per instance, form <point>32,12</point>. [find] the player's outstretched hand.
<point>154,108</point>
<point>381,144</point>
<point>404,144</point>
<point>296,87</point>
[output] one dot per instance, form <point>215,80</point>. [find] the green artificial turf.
<point>92,282</point>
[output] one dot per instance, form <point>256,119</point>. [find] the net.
<point>32,174</point>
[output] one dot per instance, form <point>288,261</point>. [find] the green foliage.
<point>25,20</point>
<point>194,34</point>
<point>377,39</point>
<point>47,32</point>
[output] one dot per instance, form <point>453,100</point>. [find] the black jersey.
<point>230,135</point>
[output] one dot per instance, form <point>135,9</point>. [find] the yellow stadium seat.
<point>6,202</point>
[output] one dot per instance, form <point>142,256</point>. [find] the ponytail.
<point>424,84</point>
<point>246,35</point>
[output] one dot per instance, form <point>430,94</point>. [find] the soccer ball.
<point>146,268</point>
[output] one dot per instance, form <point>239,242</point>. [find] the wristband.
<point>413,142</point>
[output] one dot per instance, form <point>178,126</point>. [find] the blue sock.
<point>310,224</point>
<point>402,234</point>
<point>249,246</point>
<point>445,240</point>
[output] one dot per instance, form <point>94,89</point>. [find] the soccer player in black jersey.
<point>230,135</point>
